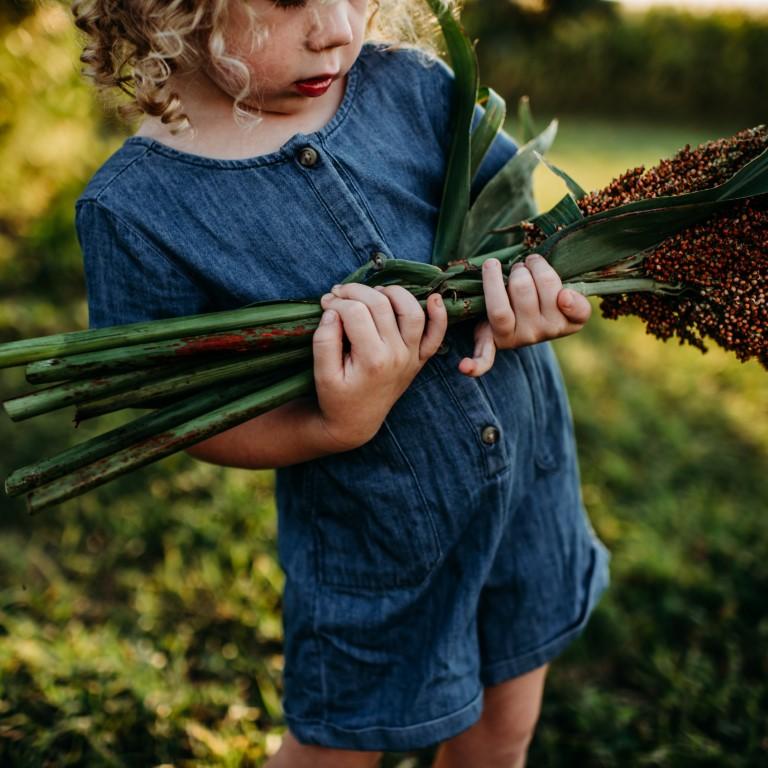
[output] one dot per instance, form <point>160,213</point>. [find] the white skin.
<point>390,337</point>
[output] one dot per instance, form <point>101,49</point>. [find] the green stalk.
<point>75,342</point>
<point>261,338</point>
<point>85,390</point>
<point>172,440</point>
<point>33,475</point>
<point>625,285</point>
<point>190,381</point>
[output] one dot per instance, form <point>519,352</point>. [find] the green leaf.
<point>573,187</point>
<point>525,120</point>
<point>455,202</point>
<point>594,243</point>
<point>566,212</point>
<point>506,200</point>
<point>618,233</point>
<point>488,127</point>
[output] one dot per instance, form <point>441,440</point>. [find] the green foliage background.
<point>140,624</point>
<point>586,57</point>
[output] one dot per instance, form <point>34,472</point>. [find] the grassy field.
<point>140,624</point>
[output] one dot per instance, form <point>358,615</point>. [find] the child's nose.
<point>331,26</point>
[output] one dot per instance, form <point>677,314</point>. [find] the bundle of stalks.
<point>682,245</point>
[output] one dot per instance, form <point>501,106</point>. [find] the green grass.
<point>140,624</point>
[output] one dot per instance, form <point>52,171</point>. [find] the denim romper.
<point>452,551</point>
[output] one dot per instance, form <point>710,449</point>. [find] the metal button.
<point>444,348</point>
<point>490,435</point>
<point>308,156</point>
<point>378,258</point>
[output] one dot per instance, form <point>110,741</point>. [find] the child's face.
<point>305,39</point>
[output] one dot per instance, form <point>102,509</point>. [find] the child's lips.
<point>314,86</point>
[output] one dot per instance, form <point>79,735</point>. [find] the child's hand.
<point>387,347</point>
<point>533,307</point>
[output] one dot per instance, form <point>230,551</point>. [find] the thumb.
<point>574,306</point>
<point>327,347</point>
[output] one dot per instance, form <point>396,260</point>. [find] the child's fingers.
<point>497,305</point>
<point>574,306</point>
<point>408,313</point>
<point>327,349</point>
<point>378,306</point>
<point>548,286</point>
<point>359,325</point>
<point>485,352</point>
<point>524,297</point>
<point>436,326</point>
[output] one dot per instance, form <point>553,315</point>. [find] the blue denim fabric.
<point>429,562</point>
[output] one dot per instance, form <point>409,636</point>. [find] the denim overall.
<point>452,551</point>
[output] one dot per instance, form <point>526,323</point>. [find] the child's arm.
<point>355,390</point>
<point>532,307</point>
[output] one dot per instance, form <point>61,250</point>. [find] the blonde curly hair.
<point>137,45</point>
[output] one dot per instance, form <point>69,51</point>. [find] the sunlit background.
<point>140,624</point>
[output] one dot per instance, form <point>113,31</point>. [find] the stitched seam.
<point>392,728</point>
<point>362,259</point>
<point>472,428</point>
<point>96,197</point>
<point>420,490</point>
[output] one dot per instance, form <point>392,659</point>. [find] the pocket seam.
<point>428,561</point>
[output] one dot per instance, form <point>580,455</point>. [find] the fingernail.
<point>518,266</point>
<point>439,300</point>
<point>328,316</point>
<point>566,299</point>
<point>379,288</point>
<point>336,287</point>
<point>327,297</point>
<point>491,264</point>
<point>533,257</point>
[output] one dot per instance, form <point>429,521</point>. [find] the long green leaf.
<point>573,186</point>
<point>565,213</point>
<point>506,199</point>
<point>525,120</point>
<point>488,127</point>
<point>455,200</point>
<point>596,243</point>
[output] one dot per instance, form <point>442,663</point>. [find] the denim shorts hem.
<point>386,738</point>
<point>500,671</point>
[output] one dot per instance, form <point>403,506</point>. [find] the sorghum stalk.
<point>255,339</point>
<point>170,441</point>
<point>75,342</point>
<point>199,378</point>
<point>145,426</point>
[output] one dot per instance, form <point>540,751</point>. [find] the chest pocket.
<point>372,526</point>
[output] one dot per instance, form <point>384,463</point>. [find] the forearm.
<point>286,435</point>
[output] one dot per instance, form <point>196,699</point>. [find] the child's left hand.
<point>533,307</point>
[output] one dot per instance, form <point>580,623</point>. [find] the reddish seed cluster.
<point>690,170</point>
<point>723,264</point>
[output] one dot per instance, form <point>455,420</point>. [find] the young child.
<point>436,551</point>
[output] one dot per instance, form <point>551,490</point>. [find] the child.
<point>436,551</point>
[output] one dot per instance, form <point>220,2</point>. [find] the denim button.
<point>308,156</point>
<point>490,435</point>
<point>444,348</point>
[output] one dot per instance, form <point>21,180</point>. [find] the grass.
<point>140,624</point>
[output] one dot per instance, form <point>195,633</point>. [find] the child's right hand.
<point>388,346</point>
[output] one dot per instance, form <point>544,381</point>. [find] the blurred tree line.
<point>587,56</point>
